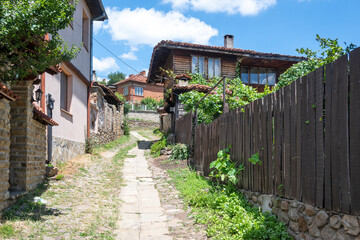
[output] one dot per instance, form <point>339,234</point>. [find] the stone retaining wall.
<point>308,222</point>
<point>148,116</point>
<point>142,124</point>
<point>64,149</point>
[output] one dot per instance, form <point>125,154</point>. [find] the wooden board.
<point>278,143</point>
<point>304,142</point>
<point>354,131</point>
<point>286,150</point>
<point>270,143</point>
<point>327,157</point>
<point>293,163</point>
<point>319,118</point>
<point>311,144</point>
<point>342,139</point>
<point>298,156</point>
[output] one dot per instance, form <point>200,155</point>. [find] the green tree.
<point>24,51</point>
<point>115,77</point>
<point>330,50</point>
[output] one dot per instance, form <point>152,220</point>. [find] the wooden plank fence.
<point>307,135</point>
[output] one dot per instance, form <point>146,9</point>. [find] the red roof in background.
<point>39,115</point>
<point>5,92</point>
<point>140,78</point>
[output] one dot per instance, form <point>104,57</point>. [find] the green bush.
<point>158,146</point>
<point>126,128</point>
<point>223,169</point>
<point>127,108</point>
<point>179,152</point>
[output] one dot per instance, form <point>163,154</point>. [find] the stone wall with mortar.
<point>64,149</point>
<point>4,152</point>
<point>307,222</point>
<point>148,116</point>
<point>28,142</point>
<point>106,120</point>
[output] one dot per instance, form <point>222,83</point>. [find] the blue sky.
<point>278,26</point>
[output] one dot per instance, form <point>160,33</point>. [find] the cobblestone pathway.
<point>142,216</point>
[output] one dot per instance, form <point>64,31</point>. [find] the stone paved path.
<point>142,216</point>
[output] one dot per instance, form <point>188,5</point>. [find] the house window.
<point>139,91</point>
<point>64,90</point>
<point>85,30</point>
<point>197,65</point>
<point>126,91</point>
<point>213,67</point>
<point>258,75</point>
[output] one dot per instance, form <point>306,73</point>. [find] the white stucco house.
<point>70,87</point>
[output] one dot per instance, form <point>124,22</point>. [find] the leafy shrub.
<point>224,170</point>
<point>120,97</point>
<point>59,177</point>
<point>237,94</point>
<point>157,147</point>
<point>179,152</point>
<point>127,108</point>
<point>126,127</point>
<point>331,51</point>
<point>225,212</point>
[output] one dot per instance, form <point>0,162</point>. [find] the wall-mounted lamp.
<point>38,95</point>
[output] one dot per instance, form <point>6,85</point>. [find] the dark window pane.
<point>271,76</point>
<point>254,75</point>
<point>262,76</point>
<point>244,75</point>
<point>63,91</point>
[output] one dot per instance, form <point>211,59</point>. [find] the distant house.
<point>135,88</point>
<point>255,68</point>
<point>70,87</point>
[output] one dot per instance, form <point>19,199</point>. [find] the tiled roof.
<point>110,96</point>
<point>168,43</point>
<point>191,87</point>
<point>141,77</point>
<point>5,92</point>
<point>40,116</point>
<point>183,76</point>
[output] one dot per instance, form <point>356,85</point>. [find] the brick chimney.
<point>229,41</point>
<point>143,73</point>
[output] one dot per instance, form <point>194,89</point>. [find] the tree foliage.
<point>330,50</point>
<point>237,94</point>
<point>115,77</point>
<point>23,27</point>
<point>151,102</point>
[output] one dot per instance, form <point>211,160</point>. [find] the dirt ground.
<point>180,222</point>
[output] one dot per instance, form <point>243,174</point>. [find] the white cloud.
<point>147,27</point>
<point>129,55</point>
<point>104,64</point>
<point>243,7</point>
<point>97,26</point>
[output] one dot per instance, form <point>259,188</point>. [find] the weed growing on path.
<point>226,212</point>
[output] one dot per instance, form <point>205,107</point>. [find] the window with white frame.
<point>197,64</point>
<point>139,91</point>
<point>126,91</point>
<point>213,67</point>
<point>65,91</point>
<point>258,75</point>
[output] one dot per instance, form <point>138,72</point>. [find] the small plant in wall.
<point>255,159</point>
<point>225,170</point>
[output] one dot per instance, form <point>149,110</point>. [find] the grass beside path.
<point>83,205</point>
<point>224,211</point>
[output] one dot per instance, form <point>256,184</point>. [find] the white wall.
<point>74,35</point>
<point>71,126</point>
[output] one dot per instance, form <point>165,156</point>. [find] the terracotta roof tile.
<point>39,115</point>
<point>5,92</point>
<point>191,87</point>
<point>141,77</point>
